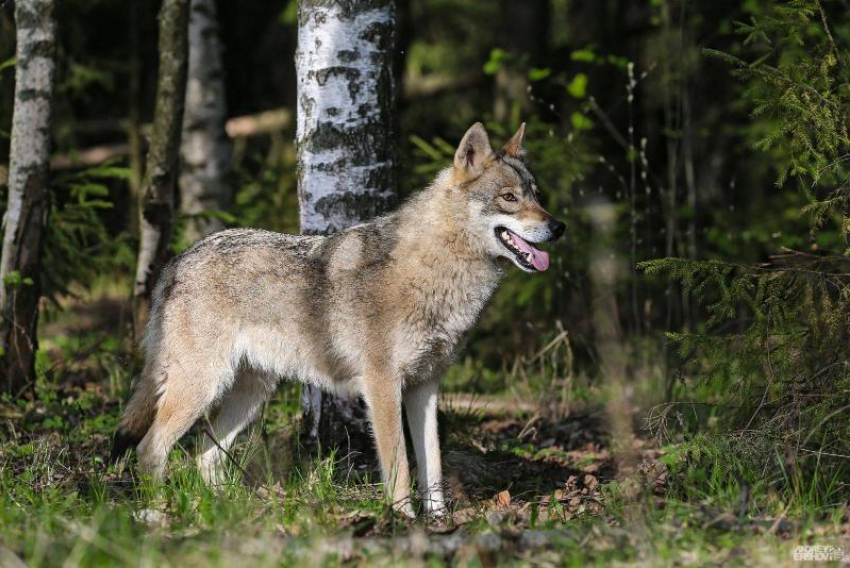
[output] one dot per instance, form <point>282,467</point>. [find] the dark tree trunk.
<point>157,199</point>
<point>136,11</point>
<point>523,33</point>
<point>29,192</point>
<point>345,138</point>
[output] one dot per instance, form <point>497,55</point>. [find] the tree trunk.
<point>25,222</point>
<point>205,177</point>
<point>157,205</point>
<point>523,33</point>
<point>345,138</point>
<point>134,122</point>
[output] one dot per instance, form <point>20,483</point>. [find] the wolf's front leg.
<point>383,397</point>
<point>421,403</point>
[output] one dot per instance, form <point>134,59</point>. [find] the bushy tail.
<point>137,417</point>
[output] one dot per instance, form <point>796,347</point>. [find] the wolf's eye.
<point>508,197</point>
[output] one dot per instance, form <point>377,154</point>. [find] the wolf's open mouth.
<point>526,255</point>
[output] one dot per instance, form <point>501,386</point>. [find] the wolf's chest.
<point>435,326</point>
<point>447,309</point>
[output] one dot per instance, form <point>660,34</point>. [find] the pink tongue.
<point>539,259</point>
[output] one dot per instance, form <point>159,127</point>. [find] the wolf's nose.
<point>557,229</point>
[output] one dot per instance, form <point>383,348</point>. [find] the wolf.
<point>376,310</point>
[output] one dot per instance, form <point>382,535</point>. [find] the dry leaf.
<point>503,499</point>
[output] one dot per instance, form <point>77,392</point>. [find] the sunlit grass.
<point>61,504</point>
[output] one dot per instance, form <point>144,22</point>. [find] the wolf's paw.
<point>434,504</point>
<point>405,508</point>
<point>438,512</point>
<point>149,517</point>
<point>212,471</point>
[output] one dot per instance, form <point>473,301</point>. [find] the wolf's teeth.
<point>528,258</point>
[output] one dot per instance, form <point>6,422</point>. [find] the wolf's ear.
<point>514,146</point>
<point>473,152</point>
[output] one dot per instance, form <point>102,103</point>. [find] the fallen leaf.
<point>503,499</point>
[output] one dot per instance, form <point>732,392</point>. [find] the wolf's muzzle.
<point>556,229</point>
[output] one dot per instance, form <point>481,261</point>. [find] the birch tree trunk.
<point>345,137</point>
<point>205,177</point>
<point>25,221</point>
<point>157,200</point>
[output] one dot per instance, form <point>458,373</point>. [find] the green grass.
<point>318,519</point>
<point>61,504</point>
<point>687,493</point>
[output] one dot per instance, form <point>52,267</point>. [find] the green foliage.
<point>535,74</point>
<point>775,339</point>
<point>775,345</point>
<point>586,55</point>
<point>9,63</point>
<point>578,86</point>
<point>79,247</point>
<point>797,80</point>
<point>15,279</point>
<point>289,15</point>
<point>498,57</point>
<point>267,196</point>
<point>718,469</point>
<point>580,121</point>
<point>80,79</point>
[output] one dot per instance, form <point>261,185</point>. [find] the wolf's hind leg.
<point>421,403</point>
<point>383,397</point>
<point>186,398</point>
<point>239,407</point>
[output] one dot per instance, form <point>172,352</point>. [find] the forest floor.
<point>527,487</point>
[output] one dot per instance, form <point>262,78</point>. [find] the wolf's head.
<point>502,195</point>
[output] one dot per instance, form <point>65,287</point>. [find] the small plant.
<point>80,248</point>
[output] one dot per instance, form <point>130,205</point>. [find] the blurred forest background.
<point>698,152</point>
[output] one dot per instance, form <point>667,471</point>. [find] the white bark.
<point>30,147</point>
<point>345,108</point>
<point>345,136</point>
<point>25,221</point>
<point>205,179</point>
